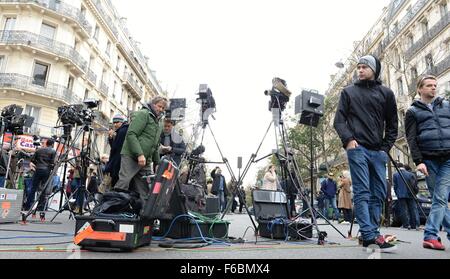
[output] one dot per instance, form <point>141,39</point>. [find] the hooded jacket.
<point>143,136</point>
<point>367,113</point>
<point>428,131</point>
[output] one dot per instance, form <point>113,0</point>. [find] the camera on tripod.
<point>206,98</point>
<point>79,114</point>
<point>279,94</point>
<point>14,121</point>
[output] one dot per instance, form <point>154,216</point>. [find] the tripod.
<point>82,168</point>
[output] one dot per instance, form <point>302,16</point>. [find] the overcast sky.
<point>237,47</point>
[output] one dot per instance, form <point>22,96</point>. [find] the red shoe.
<point>433,244</point>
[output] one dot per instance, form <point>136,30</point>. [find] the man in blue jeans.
<point>329,189</point>
<point>427,125</point>
<point>367,123</point>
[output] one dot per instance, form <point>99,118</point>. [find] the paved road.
<point>23,247</point>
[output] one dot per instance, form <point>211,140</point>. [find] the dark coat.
<point>329,188</point>
<point>178,149</point>
<point>367,113</point>
<point>400,188</point>
<point>428,132</point>
<point>113,166</point>
<point>216,184</point>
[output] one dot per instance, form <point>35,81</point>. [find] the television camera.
<point>14,121</point>
<point>279,94</point>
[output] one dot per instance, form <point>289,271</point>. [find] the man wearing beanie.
<point>141,148</point>
<point>116,140</point>
<point>367,123</point>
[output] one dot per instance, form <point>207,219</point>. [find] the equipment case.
<point>114,232</point>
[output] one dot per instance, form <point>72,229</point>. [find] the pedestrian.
<point>329,189</point>
<point>242,200</point>
<point>367,123</point>
<point>427,125</point>
<point>44,162</point>
<point>345,197</point>
<point>270,179</point>
<point>405,199</point>
<point>140,148</point>
<point>219,188</point>
<point>116,139</point>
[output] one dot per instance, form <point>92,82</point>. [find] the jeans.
<point>409,211</point>
<point>331,202</point>
<point>368,170</point>
<point>438,183</point>
<point>222,201</point>
<point>40,178</point>
<point>347,214</point>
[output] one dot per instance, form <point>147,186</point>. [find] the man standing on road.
<point>427,125</point>
<point>367,123</point>
<point>407,203</point>
<point>141,148</point>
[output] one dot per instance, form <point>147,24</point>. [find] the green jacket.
<point>143,136</point>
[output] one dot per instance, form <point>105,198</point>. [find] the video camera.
<point>14,121</point>
<point>279,94</point>
<point>206,98</point>
<point>80,114</point>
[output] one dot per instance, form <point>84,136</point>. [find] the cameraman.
<point>141,147</point>
<point>44,162</point>
<point>172,143</point>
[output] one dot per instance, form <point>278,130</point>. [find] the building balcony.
<point>108,21</point>
<point>440,26</point>
<point>56,9</point>
<point>394,9</point>
<point>104,88</point>
<point>405,21</point>
<point>91,77</point>
<point>25,84</point>
<point>46,46</point>
<point>133,86</point>
<point>440,68</point>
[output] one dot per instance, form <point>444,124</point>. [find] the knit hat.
<point>373,63</point>
<point>119,118</point>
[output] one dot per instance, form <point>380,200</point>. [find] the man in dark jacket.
<point>44,162</point>
<point>172,143</point>
<point>367,123</point>
<point>427,125</point>
<point>406,201</point>
<point>141,148</point>
<point>116,140</point>
<point>329,189</point>
<point>219,188</point>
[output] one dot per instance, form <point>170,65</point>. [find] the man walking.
<point>329,189</point>
<point>141,148</point>
<point>427,125</point>
<point>367,123</point>
<point>44,162</point>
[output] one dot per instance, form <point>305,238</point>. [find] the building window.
<point>410,40</point>
<point>429,62</point>
<point>96,33</point>
<point>108,49</point>
<point>40,73</point>
<point>48,31</point>
<point>70,83</point>
<point>400,86</point>
<point>414,74</point>
<point>444,9</point>
<point>425,27</point>
<point>36,113</point>
<point>114,90</point>
<point>86,94</point>
<point>111,114</point>
<point>119,61</point>
<point>83,11</point>
<point>2,62</point>
<point>10,23</point>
